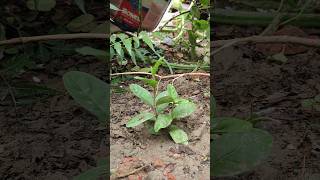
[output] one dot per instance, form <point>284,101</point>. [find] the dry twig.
<point>55,37</point>
<point>264,39</point>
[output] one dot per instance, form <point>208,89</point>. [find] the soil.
<point>159,156</point>
<point>54,138</point>
<point>245,81</point>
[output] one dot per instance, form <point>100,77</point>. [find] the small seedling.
<point>166,107</point>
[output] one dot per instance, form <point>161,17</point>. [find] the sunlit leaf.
<point>178,135</point>
<point>142,93</point>
<point>183,109</point>
<point>139,119</point>
<point>89,92</point>
<point>163,121</point>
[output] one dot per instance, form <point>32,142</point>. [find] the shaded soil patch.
<point>54,138</point>
<point>245,82</point>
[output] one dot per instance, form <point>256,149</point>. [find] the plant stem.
<point>55,37</point>
<point>154,108</point>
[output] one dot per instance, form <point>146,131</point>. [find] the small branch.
<point>132,172</point>
<point>162,77</point>
<point>55,37</point>
<point>265,39</point>
<point>134,73</point>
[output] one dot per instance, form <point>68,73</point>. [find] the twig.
<point>274,25</point>
<point>299,14</point>
<point>55,37</point>
<point>132,172</point>
<point>135,73</point>
<point>265,39</point>
<point>162,77</point>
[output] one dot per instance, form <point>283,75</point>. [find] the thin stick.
<point>162,77</point>
<point>132,172</point>
<point>135,73</point>
<point>274,25</point>
<point>265,39</point>
<point>55,37</point>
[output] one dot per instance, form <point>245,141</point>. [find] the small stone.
<point>36,79</point>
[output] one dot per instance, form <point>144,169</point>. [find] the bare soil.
<point>52,139</point>
<point>159,155</point>
<point>245,82</point>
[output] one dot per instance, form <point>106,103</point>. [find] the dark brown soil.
<point>135,147</point>
<point>245,82</point>
<point>54,138</point>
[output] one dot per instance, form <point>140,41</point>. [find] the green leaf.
<point>155,68</point>
<point>183,110</point>
<point>201,25</point>
<point>128,45</point>
<point>145,37</point>
<point>160,108</point>
<point>89,92</point>
<point>136,42</point>
<point>234,153</point>
<point>81,5</point>
<point>79,22</point>
<point>172,91</point>
<point>150,127</point>
<point>142,93</point>
<point>151,82</point>
<point>139,119</point>
<point>178,135</point>
<point>117,46</point>
<point>230,124</point>
<point>180,101</point>
<point>164,100</point>
<point>205,2</point>
<point>161,95</point>
<point>41,5</point>
<point>163,121</point>
<point>122,36</point>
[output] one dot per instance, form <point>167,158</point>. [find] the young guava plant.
<point>165,108</point>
